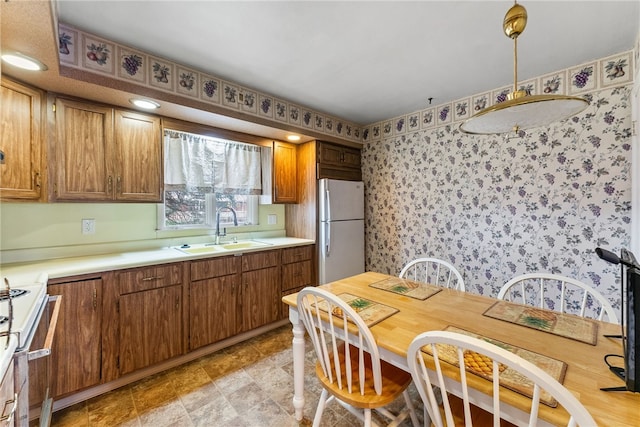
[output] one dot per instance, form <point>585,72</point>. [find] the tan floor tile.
<point>117,397</point>
<point>218,411</point>
<point>229,383</point>
<point>200,397</point>
<point>220,365</point>
<point>76,416</point>
<point>246,397</point>
<point>171,413</point>
<point>152,394</point>
<point>188,379</point>
<point>266,413</point>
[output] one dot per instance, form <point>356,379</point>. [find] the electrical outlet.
<point>89,226</point>
<point>272,219</point>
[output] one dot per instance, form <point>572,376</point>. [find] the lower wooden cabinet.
<point>76,350</point>
<point>114,323</point>
<point>260,297</point>
<point>214,295</point>
<point>260,288</point>
<point>150,327</point>
<point>297,272</point>
<point>150,316</point>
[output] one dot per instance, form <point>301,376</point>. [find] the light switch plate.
<point>272,219</point>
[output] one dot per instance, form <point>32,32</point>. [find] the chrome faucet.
<point>224,233</point>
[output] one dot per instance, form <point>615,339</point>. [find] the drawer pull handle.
<point>148,279</point>
<point>14,405</point>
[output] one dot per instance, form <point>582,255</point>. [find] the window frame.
<point>253,200</point>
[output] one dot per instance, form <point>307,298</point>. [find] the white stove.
<point>27,307</point>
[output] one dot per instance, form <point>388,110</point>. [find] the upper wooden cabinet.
<point>21,143</point>
<point>284,173</point>
<point>104,154</point>
<point>139,157</point>
<point>338,162</point>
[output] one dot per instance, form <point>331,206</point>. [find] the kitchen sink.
<point>209,248</point>
<point>199,249</point>
<point>243,244</point>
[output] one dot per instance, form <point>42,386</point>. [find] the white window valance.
<point>218,165</point>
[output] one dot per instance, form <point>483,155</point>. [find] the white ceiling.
<point>363,61</point>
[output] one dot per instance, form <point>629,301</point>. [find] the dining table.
<point>403,315</point>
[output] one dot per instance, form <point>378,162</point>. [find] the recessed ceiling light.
<point>145,103</point>
<point>293,138</point>
<point>25,62</point>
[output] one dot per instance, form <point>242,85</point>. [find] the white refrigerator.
<point>341,229</point>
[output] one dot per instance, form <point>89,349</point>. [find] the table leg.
<point>298,362</point>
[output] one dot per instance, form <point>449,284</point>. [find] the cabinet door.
<point>84,152</point>
<point>329,154</point>
<point>260,297</point>
<point>150,327</point>
<point>21,142</point>
<point>351,157</point>
<point>213,310</point>
<point>284,173</point>
<point>75,356</point>
<point>139,157</point>
<point>338,162</point>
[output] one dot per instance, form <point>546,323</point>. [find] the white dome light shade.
<point>23,61</point>
<point>523,113</point>
<point>521,110</point>
<point>145,103</point>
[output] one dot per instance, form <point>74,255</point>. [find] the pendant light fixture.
<point>521,110</point>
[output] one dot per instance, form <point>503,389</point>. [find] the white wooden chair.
<point>494,360</point>
<point>351,374</point>
<point>544,290</point>
<point>433,271</point>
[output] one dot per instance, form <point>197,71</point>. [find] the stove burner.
<point>13,293</point>
<point>3,320</point>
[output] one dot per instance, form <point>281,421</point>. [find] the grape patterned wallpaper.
<point>500,206</point>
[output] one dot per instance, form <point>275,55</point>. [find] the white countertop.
<point>20,274</point>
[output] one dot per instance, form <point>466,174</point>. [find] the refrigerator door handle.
<point>328,245</point>
<point>327,205</point>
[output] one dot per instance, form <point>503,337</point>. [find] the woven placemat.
<point>407,287</point>
<point>370,311</point>
<point>565,325</point>
<point>508,377</point>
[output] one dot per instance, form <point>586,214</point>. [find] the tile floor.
<point>249,384</point>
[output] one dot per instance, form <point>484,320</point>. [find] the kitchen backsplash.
<point>36,231</point>
<point>499,206</point>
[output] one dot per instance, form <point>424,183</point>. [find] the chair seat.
<point>395,382</point>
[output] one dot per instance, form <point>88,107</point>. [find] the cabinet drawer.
<point>296,274</point>
<point>214,267</point>
<point>142,279</point>
<point>296,254</point>
<point>259,260</point>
